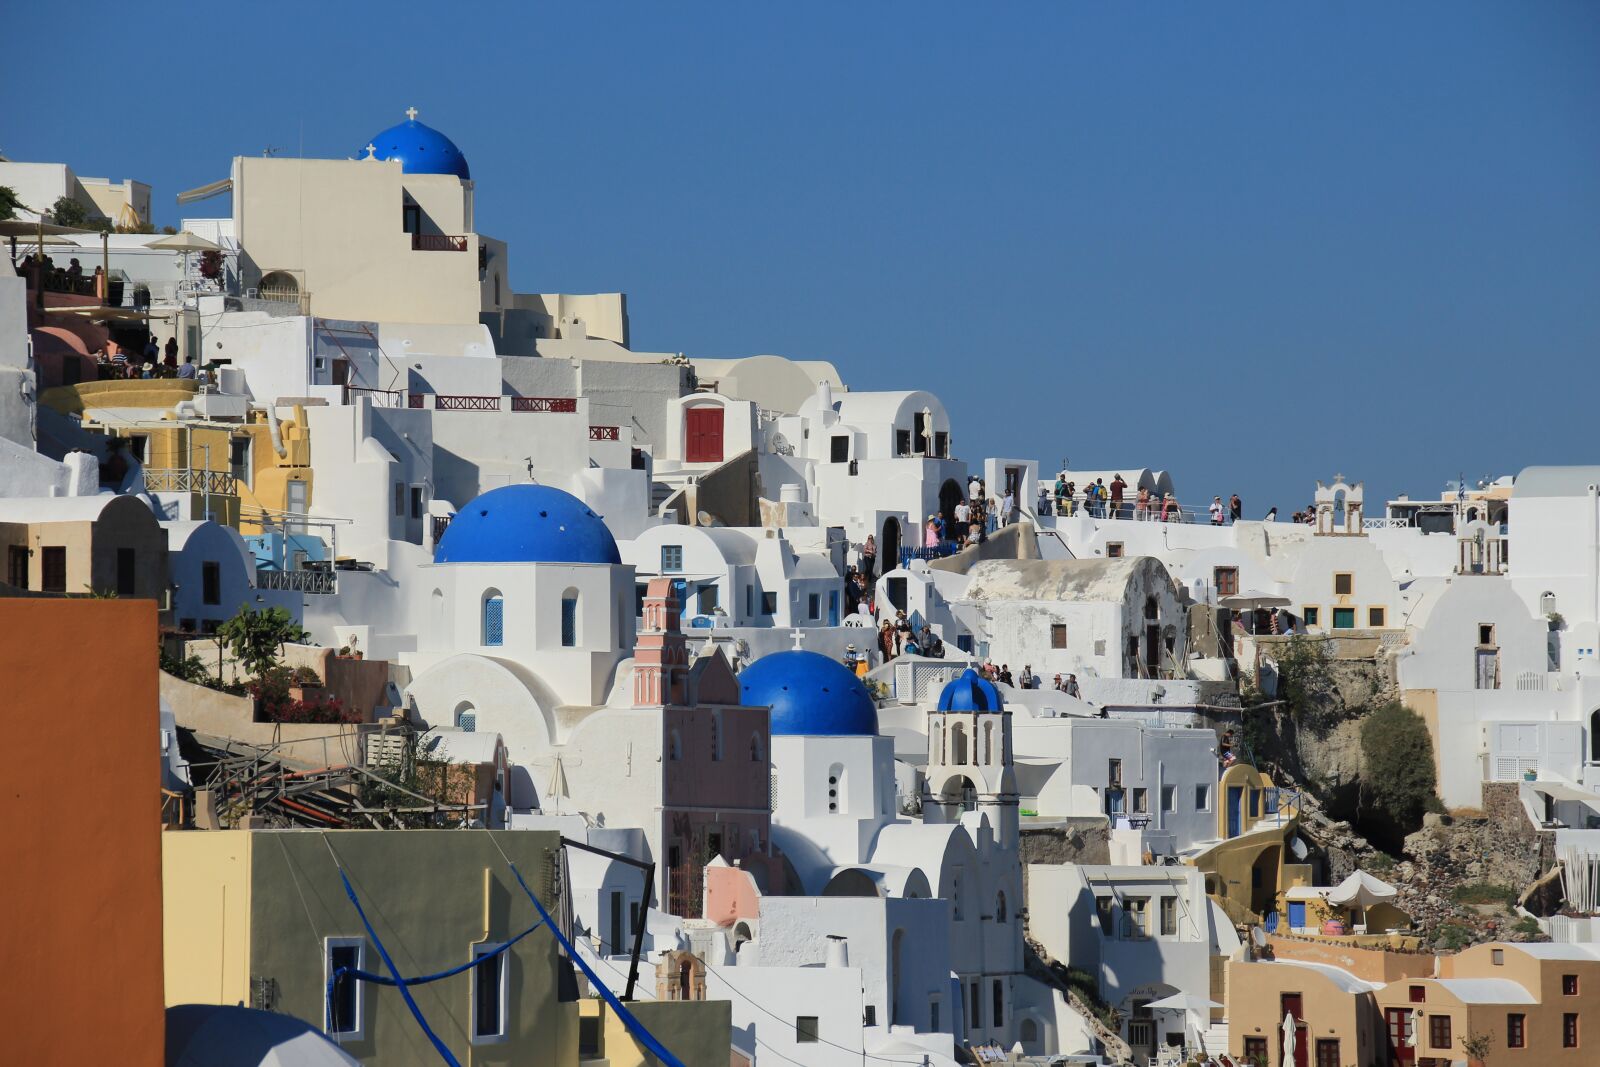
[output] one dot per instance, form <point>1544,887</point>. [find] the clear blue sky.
<point>1250,243</point>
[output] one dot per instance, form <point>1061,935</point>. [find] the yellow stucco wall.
<point>698,1032</point>
<point>205,882</point>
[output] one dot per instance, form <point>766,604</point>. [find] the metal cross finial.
<point>411,113</point>
<point>799,636</point>
<point>372,150</point>
<point>1338,477</point>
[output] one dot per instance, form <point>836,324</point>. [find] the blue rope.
<point>378,979</point>
<point>635,1027</point>
<point>395,971</point>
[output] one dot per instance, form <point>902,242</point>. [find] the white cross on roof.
<point>411,113</point>
<point>799,636</point>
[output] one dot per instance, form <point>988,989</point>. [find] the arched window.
<point>466,717</point>
<point>1030,1032</point>
<point>436,614</point>
<point>958,744</point>
<point>988,742</point>
<point>494,619</point>
<point>1000,915</point>
<point>675,745</point>
<point>836,795</point>
<point>936,749</point>
<point>755,748</point>
<point>569,619</point>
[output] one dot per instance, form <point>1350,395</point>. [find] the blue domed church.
<point>528,609</point>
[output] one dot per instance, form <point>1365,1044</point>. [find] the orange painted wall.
<point>81,778</point>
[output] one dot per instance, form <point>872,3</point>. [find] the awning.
<point>1562,791</point>
<point>206,192</point>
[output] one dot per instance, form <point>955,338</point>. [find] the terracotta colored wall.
<point>83,800</point>
<point>1368,964</point>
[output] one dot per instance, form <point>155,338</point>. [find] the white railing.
<point>1386,524</point>
<point>1537,682</point>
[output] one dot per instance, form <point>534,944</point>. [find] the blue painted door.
<point>1235,809</point>
<point>1297,914</point>
<point>833,608</point>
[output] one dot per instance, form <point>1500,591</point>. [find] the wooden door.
<point>703,435</point>
<point>1397,1025</point>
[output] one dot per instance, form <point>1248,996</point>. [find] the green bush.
<point>68,212</point>
<point>1482,893</point>
<point>1528,926</point>
<point>1398,779</point>
<point>1452,937</point>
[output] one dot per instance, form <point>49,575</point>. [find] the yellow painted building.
<point>243,469</point>
<point>1251,864</point>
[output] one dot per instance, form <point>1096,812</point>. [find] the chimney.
<point>838,951</point>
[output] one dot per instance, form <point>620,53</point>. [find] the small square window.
<point>814,606</point>
<point>1569,985</point>
<point>1058,635</point>
<point>1439,1031</point>
<point>1226,580</point>
<point>1419,994</point>
<point>1344,618</point>
<point>1376,618</point>
<point>1202,798</point>
<point>1497,956</point>
<point>869,1017</point>
<point>1312,616</point>
<point>1344,584</point>
<point>1169,798</point>
<point>671,559</point>
<point>1113,549</point>
<point>1141,801</point>
<point>805,1029</point>
<point>769,603</point>
<point>1485,634</point>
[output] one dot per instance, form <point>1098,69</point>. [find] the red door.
<point>1397,1023</point>
<point>703,433</point>
<point>1291,1004</point>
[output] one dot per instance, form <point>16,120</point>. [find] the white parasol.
<point>1361,890</point>
<point>1288,1038</point>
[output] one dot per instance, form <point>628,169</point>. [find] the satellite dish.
<point>780,444</point>
<point>1258,936</point>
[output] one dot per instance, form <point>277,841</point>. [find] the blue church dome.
<point>809,694</point>
<point>971,691</point>
<point>527,524</point>
<point>420,149</point>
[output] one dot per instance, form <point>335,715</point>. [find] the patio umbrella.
<point>1361,890</point>
<point>1288,1038</point>
<point>184,242</point>
<point>1251,599</point>
<point>1194,1008</point>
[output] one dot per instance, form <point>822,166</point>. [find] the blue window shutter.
<point>494,621</point>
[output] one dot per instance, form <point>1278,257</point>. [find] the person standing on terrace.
<point>1117,488</point>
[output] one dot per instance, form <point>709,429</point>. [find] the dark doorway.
<point>950,494</point>
<point>889,545</point>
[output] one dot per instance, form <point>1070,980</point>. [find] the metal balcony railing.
<point>555,404</point>
<point>605,433</point>
<point>188,480</point>
<point>313,582</point>
<point>438,242</point>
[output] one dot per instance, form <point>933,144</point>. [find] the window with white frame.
<point>489,993</point>
<point>671,559</point>
<point>342,991</point>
